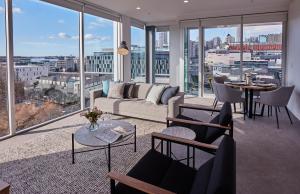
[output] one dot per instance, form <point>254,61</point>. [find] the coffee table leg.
<point>188,156</point>
<point>73,154</point>
<point>135,138</point>
<point>109,167</point>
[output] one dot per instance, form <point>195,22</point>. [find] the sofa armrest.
<point>173,104</point>
<point>93,95</point>
<point>136,184</point>
<point>4,187</point>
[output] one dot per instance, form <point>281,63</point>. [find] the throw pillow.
<point>105,87</point>
<point>155,93</point>
<point>128,90</point>
<point>116,90</point>
<point>169,93</point>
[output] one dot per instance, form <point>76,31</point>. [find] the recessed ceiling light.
<point>185,1</point>
<point>138,8</point>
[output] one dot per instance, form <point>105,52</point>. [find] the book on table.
<point>111,135</point>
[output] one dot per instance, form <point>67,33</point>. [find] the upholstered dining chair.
<point>276,98</point>
<point>228,94</point>
<point>219,80</point>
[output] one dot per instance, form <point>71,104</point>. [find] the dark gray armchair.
<point>157,173</point>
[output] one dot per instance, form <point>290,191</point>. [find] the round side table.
<point>182,132</point>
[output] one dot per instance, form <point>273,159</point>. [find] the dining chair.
<point>276,98</point>
<point>220,80</point>
<point>228,94</point>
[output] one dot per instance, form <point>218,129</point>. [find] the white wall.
<point>293,57</point>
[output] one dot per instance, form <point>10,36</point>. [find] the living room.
<point>154,96</point>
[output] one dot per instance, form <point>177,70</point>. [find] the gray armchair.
<point>227,94</point>
<point>219,80</point>
<point>276,98</point>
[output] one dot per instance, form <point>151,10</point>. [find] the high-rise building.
<point>229,39</point>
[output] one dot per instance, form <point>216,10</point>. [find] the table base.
<point>108,147</point>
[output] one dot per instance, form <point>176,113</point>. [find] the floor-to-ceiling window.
<point>4,129</point>
<point>46,50</point>
<point>191,58</point>
<point>231,47</point>
<point>138,56</point>
<point>99,52</point>
<point>221,56</point>
<point>162,57</point>
<point>263,48</point>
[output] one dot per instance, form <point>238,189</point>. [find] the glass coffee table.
<point>89,138</point>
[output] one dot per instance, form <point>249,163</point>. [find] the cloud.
<point>17,10</point>
<point>95,37</point>
<point>61,21</point>
<point>87,37</point>
<point>252,30</point>
<point>99,22</point>
<point>39,44</point>
<point>63,35</point>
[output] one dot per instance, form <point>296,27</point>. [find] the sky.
<point>42,29</point>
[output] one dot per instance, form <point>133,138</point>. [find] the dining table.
<point>249,90</point>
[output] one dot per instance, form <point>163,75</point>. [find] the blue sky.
<point>42,29</point>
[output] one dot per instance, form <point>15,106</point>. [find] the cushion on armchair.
<point>223,118</point>
<point>222,178</point>
<point>202,177</point>
<point>151,169</point>
<point>179,178</point>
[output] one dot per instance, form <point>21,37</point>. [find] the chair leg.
<point>244,107</point>
<point>276,117</point>
<point>214,102</point>
<point>268,111</point>
<point>288,113</point>
<point>215,105</point>
<point>271,110</point>
<point>234,107</point>
<point>255,103</point>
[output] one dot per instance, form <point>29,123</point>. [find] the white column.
<point>126,36</point>
<point>10,66</point>
<point>174,55</point>
<point>81,54</point>
<point>118,60</point>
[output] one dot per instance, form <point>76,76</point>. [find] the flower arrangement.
<point>93,117</point>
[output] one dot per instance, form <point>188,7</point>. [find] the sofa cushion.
<point>116,90</point>
<point>105,87</point>
<point>151,169</point>
<point>179,178</point>
<point>141,90</point>
<point>222,179</point>
<point>168,93</point>
<point>128,90</point>
<point>155,93</point>
<point>202,176</point>
<point>142,109</point>
<point>108,104</point>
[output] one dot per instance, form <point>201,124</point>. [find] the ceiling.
<point>159,11</point>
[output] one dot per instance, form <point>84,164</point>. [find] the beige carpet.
<point>39,161</point>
